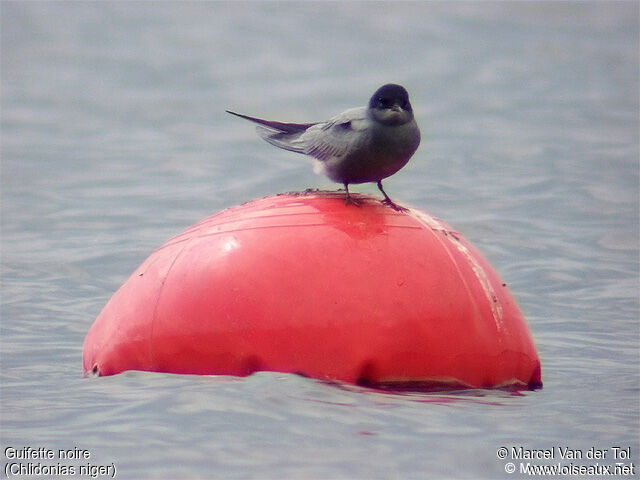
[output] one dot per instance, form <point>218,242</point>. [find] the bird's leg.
<point>388,201</point>
<point>347,199</point>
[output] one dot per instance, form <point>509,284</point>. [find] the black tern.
<point>359,145</point>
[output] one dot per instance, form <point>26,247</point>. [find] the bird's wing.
<point>338,136</point>
<point>280,134</point>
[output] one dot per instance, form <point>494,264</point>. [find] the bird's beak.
<point>396,108</point>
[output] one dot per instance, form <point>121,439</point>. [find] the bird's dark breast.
<point>381,158</point>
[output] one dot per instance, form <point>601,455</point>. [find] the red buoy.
<point>303,283</point>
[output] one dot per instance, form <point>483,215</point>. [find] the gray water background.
<point>114,138</point>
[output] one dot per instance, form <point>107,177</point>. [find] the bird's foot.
<point>349,200</point>
<point>395,206</point>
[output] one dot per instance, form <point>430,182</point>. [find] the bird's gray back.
<point>338,137</point>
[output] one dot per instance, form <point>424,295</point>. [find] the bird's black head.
<point>390,105</point>
<point>389,95</point>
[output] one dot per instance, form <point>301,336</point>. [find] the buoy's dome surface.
<point>303,283</point>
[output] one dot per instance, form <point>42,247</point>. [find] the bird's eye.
<point>384,102</point>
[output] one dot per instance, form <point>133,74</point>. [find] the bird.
<point>359,145</point>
